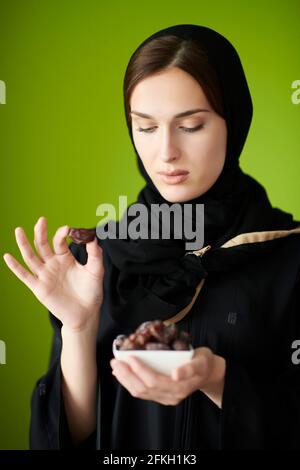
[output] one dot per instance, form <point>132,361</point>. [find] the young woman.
<point>188,111</point>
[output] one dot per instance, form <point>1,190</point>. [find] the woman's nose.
<point>169,150</point>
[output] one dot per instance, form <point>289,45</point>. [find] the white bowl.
<point>163,361</point>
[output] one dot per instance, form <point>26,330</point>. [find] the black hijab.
<point>153,279</point>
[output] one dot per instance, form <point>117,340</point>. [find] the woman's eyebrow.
<point>183,114</point>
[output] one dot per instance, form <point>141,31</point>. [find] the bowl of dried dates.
<point>160,347</point>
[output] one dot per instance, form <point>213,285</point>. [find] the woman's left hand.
<point>205,372</point>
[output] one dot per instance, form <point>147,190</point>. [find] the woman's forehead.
<point>164,95</point>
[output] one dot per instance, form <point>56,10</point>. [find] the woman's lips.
<point>174,179</point>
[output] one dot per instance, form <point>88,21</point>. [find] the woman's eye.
<point>185,129</point>
<point>149,129</point>
<point>192,129</point>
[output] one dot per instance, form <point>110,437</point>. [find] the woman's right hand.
<point>71,291</point>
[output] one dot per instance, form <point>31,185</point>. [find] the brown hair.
<point>171,51</point>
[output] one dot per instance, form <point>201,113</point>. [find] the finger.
<point>41,242</point>
<point>189,386</point>
<point>25,276</point>
<point>129,380</point>
<point>194,367</point>
<point>149,376</point>
<point>197,365</point>
<point>60,244</point>
<point>95,258</point>
<point>154,392</point>
<point>29,256</point>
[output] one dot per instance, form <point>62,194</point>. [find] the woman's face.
<point>193,143</point>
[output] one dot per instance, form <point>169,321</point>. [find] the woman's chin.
<point>177,193</point>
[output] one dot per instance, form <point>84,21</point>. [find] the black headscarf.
<point>153,279</point>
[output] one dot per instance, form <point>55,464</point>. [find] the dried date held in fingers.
<point>82,235</point>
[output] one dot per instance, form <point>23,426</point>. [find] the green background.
<point>64,143</point>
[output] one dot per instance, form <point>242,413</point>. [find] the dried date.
<point>82,235</point>
<point>155,335</point>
